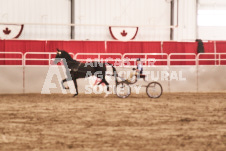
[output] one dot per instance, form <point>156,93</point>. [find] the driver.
<point>139,70</point>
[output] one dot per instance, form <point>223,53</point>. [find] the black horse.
<point>83,70</point>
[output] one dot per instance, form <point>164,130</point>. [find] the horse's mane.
<point>67,56</point>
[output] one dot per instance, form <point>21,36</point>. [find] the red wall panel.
<point>36,46</point>
<point>208,47</point>
<point>151,47</point>
<point>2,49</point>
<point>221,46</point>
<point>14,46</point>
<point>179,47</point>
<point>99,47</point>
<point>76,46</point>
<point>24,46</point>
<point>2,45</point>
<point>116,47</point>
<point>51,46</point>
<point>133,47</point>
<point>84,46</point>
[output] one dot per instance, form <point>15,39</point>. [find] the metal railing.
<point>147,58</point>
<point>49,59</point>
<point>99,57</point>
<point>216,57</point>
<point>181,59</point>
<point>13,59</point>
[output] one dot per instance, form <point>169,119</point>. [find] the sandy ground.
<point>176,121</point>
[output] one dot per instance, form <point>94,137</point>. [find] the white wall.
<point>38,11</point>
<point>195,79</point>
<point>152,17</point>
<point>187,19</point>
<point>152,13</point>
<point>215,28</point>
<point>11,82</point>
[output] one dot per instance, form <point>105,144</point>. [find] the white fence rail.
<point>216,57</point>
<point>21,58</point>
<point>99,57</point>
<point>182,59</point>
<point>49,58</point>
<point>148,59</point>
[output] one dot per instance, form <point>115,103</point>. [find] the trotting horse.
<point>80,70</point>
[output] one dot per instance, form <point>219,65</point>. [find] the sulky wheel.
<point>122,90</point>
<point>154,90</point>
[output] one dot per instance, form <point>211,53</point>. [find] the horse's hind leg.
<point>76,86</point>
<point>107,84</point>
<point>103,80</point>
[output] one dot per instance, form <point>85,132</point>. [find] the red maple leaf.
<point>7,31</point>
<point>123,33</point>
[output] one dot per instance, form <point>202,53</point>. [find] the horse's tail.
<point>115,74</point>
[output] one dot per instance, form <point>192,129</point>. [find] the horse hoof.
<point>75,95</point>
<point>106,95</point>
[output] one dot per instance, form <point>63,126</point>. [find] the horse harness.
<point>76,69</point>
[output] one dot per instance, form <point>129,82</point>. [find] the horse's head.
<point>61,54</point>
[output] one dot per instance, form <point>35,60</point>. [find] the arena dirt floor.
<point>176,121</point>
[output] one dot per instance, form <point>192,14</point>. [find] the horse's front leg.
<point>62,83</point>
<point>76,86</point>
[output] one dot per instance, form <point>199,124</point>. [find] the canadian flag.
<point>123,33</point>
<point>10,31</point>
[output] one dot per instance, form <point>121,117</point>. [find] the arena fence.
<point>102,57</point>
<point>148,59</point>
<point>200,73</point>
<point>44,58</point>
<point>16,58</point>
